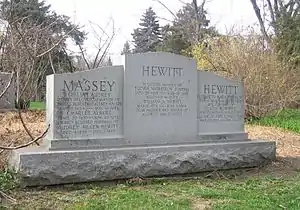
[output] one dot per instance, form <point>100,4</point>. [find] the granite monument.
<point>7,84</point>
<point>156,115</point>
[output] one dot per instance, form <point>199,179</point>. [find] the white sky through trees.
<point>127,13</point>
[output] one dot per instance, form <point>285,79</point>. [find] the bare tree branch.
<point>99,48</point>
<point>35,140</point>
<point>260,20</point>
<point>31,72</point>
<point>83,56</point>
<point>51,63</point>
<point>104,43</point>
<point>7,197</point>
<point>24,42</point>
<point>8,85</point>
<point>25,126</point>
<point>56,44</point>
<point>271,12</point>
<point>107,47</point>
<point>167,8</point>
<point>69,61</point>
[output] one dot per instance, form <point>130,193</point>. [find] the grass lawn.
<point>203,193</point>
<point>288,119</point>
<point>37,105</point>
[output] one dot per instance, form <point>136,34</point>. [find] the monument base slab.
<point>39,166</point>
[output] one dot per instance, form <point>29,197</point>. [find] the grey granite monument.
<point>7,101</point>
<point>177,120</point>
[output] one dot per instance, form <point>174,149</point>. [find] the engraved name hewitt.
<point>220,89</point>
<point>162,71</point>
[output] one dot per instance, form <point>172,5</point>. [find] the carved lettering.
<point>87,85</point>
<point>155,71</point>
<point>162,99</point>
<point>87,108</point>
<point>220,103</point>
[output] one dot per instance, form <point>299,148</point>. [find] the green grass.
<point>127,198</point>
<point>252,193</point>
<point>288,119</point>
<point>37,105</point>
<point>8,180</point>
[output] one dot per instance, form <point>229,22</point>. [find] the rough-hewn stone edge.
<point>39,167</point>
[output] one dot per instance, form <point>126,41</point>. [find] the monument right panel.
<point>220,105</point>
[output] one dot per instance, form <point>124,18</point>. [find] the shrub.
<point>22,104</point>
<point>8,180</point>
<point>269,84</point>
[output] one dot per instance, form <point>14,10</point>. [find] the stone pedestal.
<point>38,166</point>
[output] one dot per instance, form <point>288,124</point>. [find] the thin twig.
<point>25,127</point>
<point>51,64</point>
<point>27,144</point>
<point>1,151</point>
<point>8,197</point>
<point>167,8</point>
<point>8,85</point>
<point>108,45</point>
<point>83,56</point>
<point>56,44</point>
<point>69,61</point>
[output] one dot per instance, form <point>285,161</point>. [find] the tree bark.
<point>260,20</point>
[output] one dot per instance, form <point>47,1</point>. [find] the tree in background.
<point>102,44</point>
<point>189,27</point>
<point>126,49</point>
<point>172,40</point>
<point>147,37</point>
<point>39,12</point>
<point>192,22</point>
<point>283,18</point>
<point>109,62</point>
<point>34,44</point>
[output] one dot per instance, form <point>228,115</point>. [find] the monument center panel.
<point>160,96</point>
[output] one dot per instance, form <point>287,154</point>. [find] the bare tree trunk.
<point>36,92</point>
<point>18,86</point>
<point>260,20</point>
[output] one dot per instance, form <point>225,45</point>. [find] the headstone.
<point>7,101</point>
<point>85,108</point>
<point>160,98</point>
<point>220,106</point>
<point>90,141</point>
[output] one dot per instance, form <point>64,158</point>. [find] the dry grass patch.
<point>288,143</point>
<point>12,131</point>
